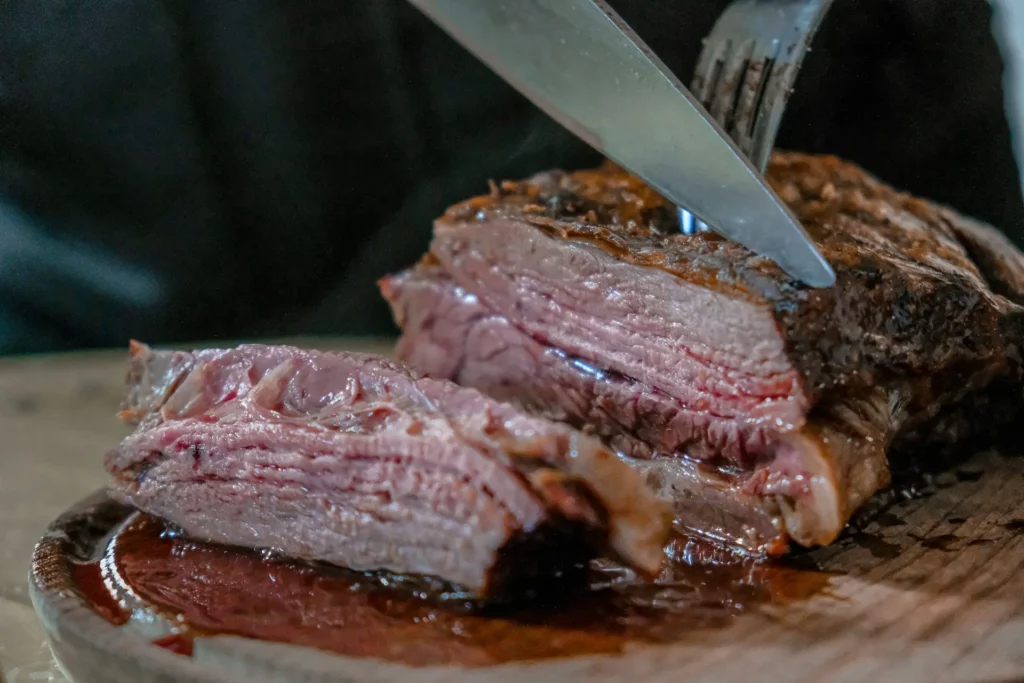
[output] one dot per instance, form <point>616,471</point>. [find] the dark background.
<point>213,169</point>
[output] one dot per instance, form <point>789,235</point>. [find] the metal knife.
<point>580,63</point>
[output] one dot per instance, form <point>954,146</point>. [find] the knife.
<point>582,65</point>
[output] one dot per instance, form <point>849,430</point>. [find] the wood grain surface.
<point>931,589</point>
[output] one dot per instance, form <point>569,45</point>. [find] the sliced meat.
<point>457,337</point>
<point>576,296</point>
<point>353,460</point>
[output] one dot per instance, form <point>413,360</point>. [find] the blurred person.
<point>205,169</point>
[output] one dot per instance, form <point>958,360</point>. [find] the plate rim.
<point>69,622</point>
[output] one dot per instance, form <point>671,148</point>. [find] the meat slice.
<point>764,409</point>
<point>353,460</point>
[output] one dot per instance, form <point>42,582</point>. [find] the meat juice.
<point>210,590</point>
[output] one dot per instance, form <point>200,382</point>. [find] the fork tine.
<point>716,51</point>
<point>708,70</point>
<point>769,115</point>
<point>748,65</point>
<point>727,89</point>
<point>746,69</point>
<point>779,87</point>
<point>751,94</point>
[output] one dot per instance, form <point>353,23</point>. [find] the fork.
<point>746,70</point>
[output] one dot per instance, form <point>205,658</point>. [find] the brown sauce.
<point>219,590</point>
<point>88,576</point>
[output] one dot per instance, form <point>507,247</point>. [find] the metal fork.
<point>746,71</point>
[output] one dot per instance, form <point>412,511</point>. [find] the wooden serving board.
<point>931,589</point>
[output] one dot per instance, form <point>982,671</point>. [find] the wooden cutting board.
<point>930,589</point>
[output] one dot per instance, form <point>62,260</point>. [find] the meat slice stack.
<point>763,409</point>
<point>352,459</point>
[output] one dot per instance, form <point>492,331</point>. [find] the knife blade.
<point>582,65</point>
